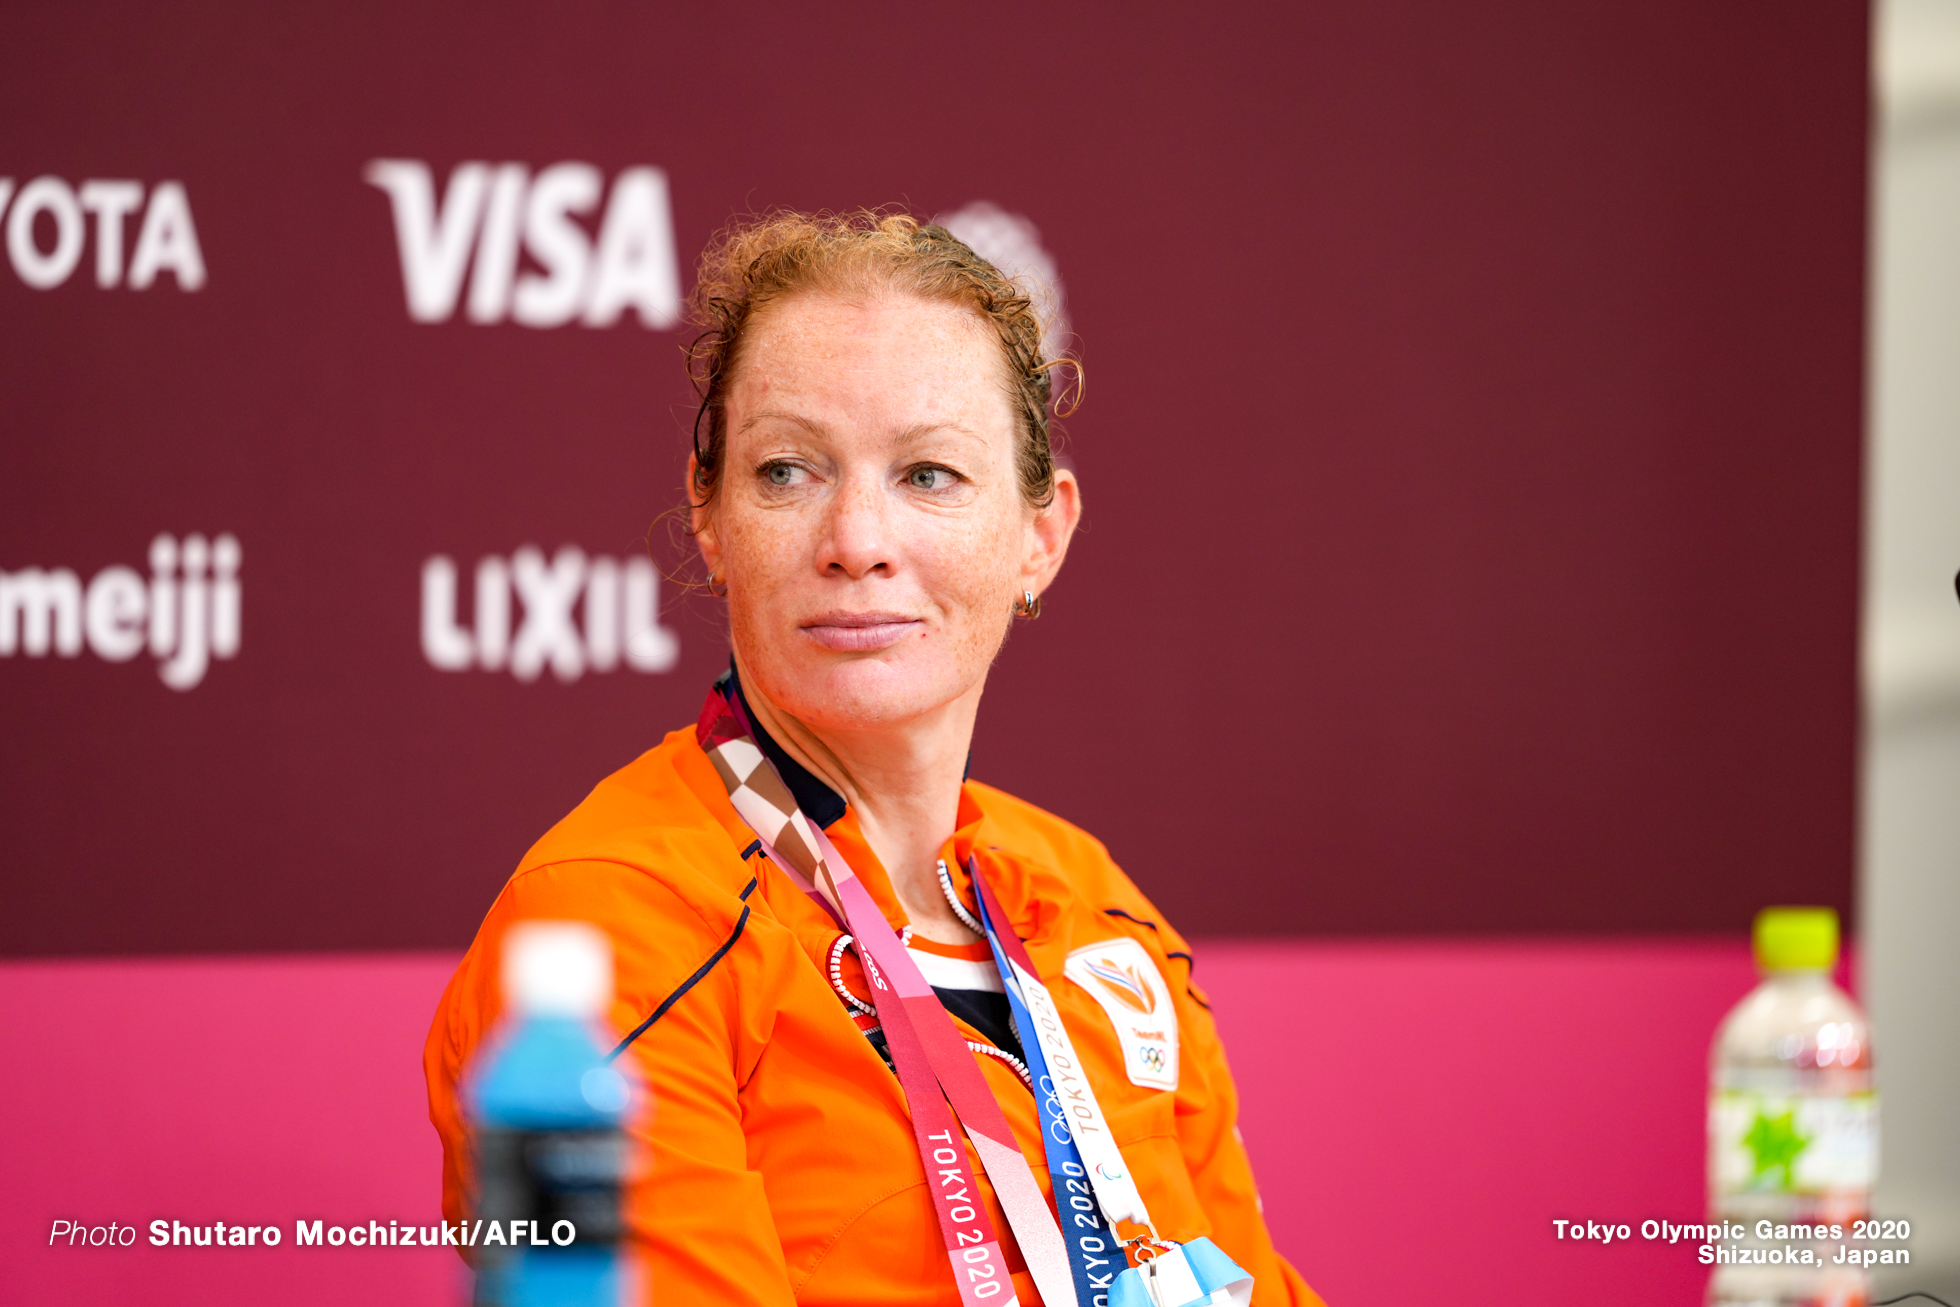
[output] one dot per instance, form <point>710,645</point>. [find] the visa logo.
<point>492,218</point>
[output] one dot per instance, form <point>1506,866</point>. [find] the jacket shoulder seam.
<point>699,973</point>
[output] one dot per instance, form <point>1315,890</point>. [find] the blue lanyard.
<point>1094,1256</point>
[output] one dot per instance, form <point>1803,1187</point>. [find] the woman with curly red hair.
<point>909,1039</point>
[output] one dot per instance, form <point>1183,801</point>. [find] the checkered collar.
<point>819,802</point>
<point>777,797</point>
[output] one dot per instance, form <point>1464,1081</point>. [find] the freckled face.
<point>869,525</point>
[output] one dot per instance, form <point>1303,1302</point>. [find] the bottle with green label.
<point>1792,1126</point>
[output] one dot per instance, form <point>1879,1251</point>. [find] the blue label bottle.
<point>549,1116</point>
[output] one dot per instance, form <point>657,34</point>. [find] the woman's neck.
<point>903,782</point>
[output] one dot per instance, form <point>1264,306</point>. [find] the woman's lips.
<point>859,632</point>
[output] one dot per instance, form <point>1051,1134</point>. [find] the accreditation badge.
<point>1120,975</point>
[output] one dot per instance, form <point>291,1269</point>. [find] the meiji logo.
<point>621,611</point>
<point>184,617</point>
<point>166,242</point>
<point>496,210</point>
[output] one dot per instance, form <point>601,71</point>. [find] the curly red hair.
<point>754,261</point>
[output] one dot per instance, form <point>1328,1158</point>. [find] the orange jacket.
<point>783,1167</point>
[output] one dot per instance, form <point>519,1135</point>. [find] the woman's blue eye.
<point>779,474</point>
<point>927,478</point>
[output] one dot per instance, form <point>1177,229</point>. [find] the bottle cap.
<point>1792,938</point>
<point>558,968</point>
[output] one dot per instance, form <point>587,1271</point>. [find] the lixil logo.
<point>166,242</point>
<point>186,614</point>
<point>621,611</point>
<point>505,212</point>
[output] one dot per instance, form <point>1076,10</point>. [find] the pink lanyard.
<point>932,1061</point>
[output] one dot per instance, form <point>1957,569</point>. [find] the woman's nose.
<point>857,532</point>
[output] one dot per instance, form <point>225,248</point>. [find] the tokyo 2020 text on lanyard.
<point>934,1065</point>
<point>1093,1188</point>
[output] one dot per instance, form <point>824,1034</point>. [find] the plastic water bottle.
<point>548,1114</point>
<point>1792,1125</point>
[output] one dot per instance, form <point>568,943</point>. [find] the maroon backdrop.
<point>1471,444</point>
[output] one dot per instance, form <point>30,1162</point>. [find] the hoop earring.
<point>1028,605</point>
<point>717,587</point>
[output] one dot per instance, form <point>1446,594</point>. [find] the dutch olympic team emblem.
<point>1124,980</point>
